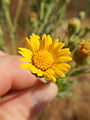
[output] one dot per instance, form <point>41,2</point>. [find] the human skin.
<point>23,95</point>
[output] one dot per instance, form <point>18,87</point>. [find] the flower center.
<point>42,60</point>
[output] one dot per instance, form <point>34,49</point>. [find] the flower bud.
<point>82,54</point>
<point>82,15</point>
<point>7,2</point>
<point>74,26</point>
<point>33,16</point>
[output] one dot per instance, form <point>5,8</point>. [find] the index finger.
<point>12,76</point>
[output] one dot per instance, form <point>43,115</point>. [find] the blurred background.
<point>20,18</point>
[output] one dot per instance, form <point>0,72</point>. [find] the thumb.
<point>25,105</point>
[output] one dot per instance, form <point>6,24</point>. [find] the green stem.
<point>85,33</point>
<point>42,7</point>
<point>7,15</point>
<point>11,26</point>
<point>60,15</point>
<point>2,46</point>
<point>13,43</point>
<point>49,10</point>
<point>20,2</point>
<point>11,29</point>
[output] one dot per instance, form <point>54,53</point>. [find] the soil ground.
<point>76,107</point>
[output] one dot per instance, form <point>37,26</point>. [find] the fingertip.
<point>41,96</point>
<point>53,90</point>
<point>44,93</point>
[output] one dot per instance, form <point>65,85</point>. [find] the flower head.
<point>44,57</point>
<point>84,48</point>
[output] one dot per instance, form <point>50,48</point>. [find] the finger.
<point>27,104</point>
<point>12,76</point>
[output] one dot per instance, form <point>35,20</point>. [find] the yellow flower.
<point>44,57</point>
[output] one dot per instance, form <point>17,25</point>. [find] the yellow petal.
<point>49,74</point>
<point>25,65</point>
<point>53,45</point>
<point>32,68</point>
<point>62,67</point>
<point>46,41</point>
<point>63,59</point>
<point>51,71</point>
<point>49,77</point>
<point>28,44</point>
<point>58,72</point>
<point>35,70</point>
<point>35,43</point>
<point>46,75</point>
<point>49,40</point>
<point>65,65</point>
<point>26,59</point>
<point>40,73</point>
<point>56,46</point>
<point>63,52</point>
<point>25,52</point>
<point>60,45</point>
<point>53,78</point>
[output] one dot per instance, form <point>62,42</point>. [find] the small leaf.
<point>77,72</point>
<point>61,80</point>
<point>64,94</point>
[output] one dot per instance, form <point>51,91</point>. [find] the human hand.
<point>23,94</point>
